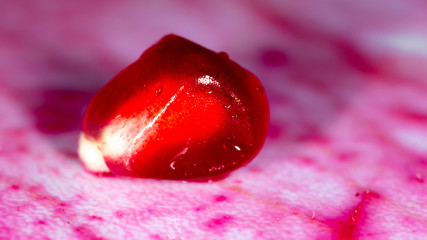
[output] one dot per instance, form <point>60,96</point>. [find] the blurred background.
<point>77,47</point>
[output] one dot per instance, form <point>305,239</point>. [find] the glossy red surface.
<point>180,111</point>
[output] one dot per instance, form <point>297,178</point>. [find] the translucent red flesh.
<point>180,111</point>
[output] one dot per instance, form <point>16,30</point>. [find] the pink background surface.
<point>345,156</point>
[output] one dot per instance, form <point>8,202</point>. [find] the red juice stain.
<point>58,207</point>
<point>120,214</point>
<point>347,226</point>
<point>60,210</point>
<point>312,134</point>
<point>16,146</point>
<point>410,115</point>
<point>273,58</point>
<point>318,85</point>
<point>156,237</point>
<point>14,187</point>
<point>61,110</point>
<point>255,170</point>
<point>94,217</point>
<point>41,222</point>
<point>282,22</point>
<point>306,160</point>
<point>86,233</point>
<point>219,222</point>
<point>6,231</point>
<point>355,57</point>
<point>221,198</point>
<point>421,161</point>
<point>280,99</point>
<point>346,156</point>
<point>417,168</point>
<point>274,131</point>
<point>237,182</point>
<point>417,177</point>
<point>198,209</point>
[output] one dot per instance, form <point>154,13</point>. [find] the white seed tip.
<point>91,155</point>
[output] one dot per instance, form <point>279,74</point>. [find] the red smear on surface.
<point>346,156</point>
<point>41,222</point>
<point>86,233</point>
<point>355,58</point>
<point>347,226</point>
<point>155,237</point>
<point>421,161</point>
<point>280,21</point>
<point>120,214</point>
<point>198,209</point>
<point>40,195</point>
<point>59,209</point>
<point>274,131</point>
<point>237,182</point>
<point>306,160</point>
<point>61,110</point>
<point>219,222</point>
<point>418,178</point>
<point>221,198</point>
<point>17,146</point>
<point>410,115</point>
<point>93,217</point>
<point>274,58</point>
<point>312,134</point>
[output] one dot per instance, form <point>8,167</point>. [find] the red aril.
<point>180,111</point>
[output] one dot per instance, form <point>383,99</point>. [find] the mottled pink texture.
<point>346,154</point>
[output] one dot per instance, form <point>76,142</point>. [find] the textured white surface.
<point>345,157</point>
